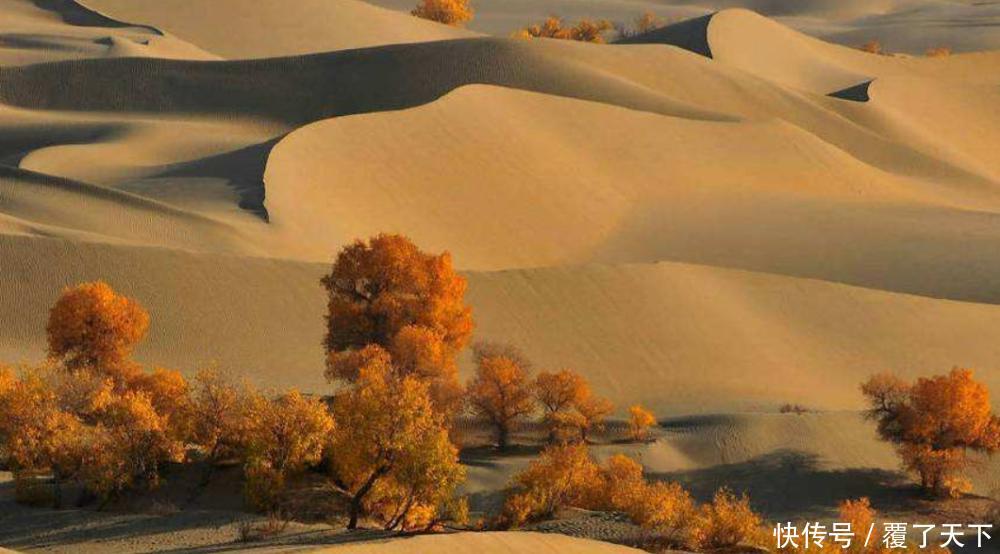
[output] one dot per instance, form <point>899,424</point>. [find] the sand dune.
<point>485,543</point>
<point>910,26</point>
<point>52,30</point>
<point>278,28</point>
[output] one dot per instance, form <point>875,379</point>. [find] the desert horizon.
<point>719,225</point>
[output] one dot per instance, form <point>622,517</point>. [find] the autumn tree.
<point>593,411</point>
<point>283,436</point>
<point>387,293</point>
<point>500,394</point>
<point>569,404</point>
<point>389,441</point>
<point>557,393</point>
<point>639,421</point>
<point>938,52</point>
<point>934,423</point>
<point>449,12</point>
<point>647,22</point>
<point>91,325</point>
<point>585,30</point>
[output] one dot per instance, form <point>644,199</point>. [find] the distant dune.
<point>235,30</point>
<point>910,26</point>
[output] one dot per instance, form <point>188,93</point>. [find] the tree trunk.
<point>360,496</point>
<point>503,437</point>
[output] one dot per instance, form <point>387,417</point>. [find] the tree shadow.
<point>793,485</point>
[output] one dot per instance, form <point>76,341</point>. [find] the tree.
<point>562,476</point>
<point>586,30</point>
<point>220,407</point>
<point>938,52</point>
<point>449,12</point>
<point>387,293</point>
<point>284,435</point>
<point>501,395</point>
<point>933,423</point>
<point>388,431</point>
<point>557,393</point>
<point>647,22</point>
<point>92,326</point>
<point>593,411</point>
<point>640,420</point>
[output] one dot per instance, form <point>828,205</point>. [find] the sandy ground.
<point>721,217</point>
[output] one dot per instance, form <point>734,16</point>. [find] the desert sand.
<point>719,217</point>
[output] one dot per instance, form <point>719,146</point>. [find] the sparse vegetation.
<point>933,423</point>
<point>639,422</point>
<point>449,12</point>
<point>585,30</point>
<point>645,23</point>
<point>797,409</point>
<point>873,46</point>
<point>501,392</point>
<point>938,52</point>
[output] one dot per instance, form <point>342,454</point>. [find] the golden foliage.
<point>220,405</point>
<point>569,406</point>
<point>938,52</point>
<point>501,394</point>
<point>933,423</point>
<point>388,434</point>
<point>287,433</point>
<point>585,30</point>
<point>873,46</point>
<point>92,326</point>
<point>639,421</point>
<point>562,476</point>
<point>647,22</point>
<point>449,12</point>
<point>728,521</point>
<point>380,286</point>
<point>566,476</point>
<point>387,293</point>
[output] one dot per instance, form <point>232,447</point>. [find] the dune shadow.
<point>690,34</point>
<point>75,13</point>
<point>242,169</point>
<point>789,484</point>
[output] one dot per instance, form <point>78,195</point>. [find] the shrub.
<point>728,521</point>
<point>449,12</point>
<point>796,409</point>
<point>563,476</point>
<point>933,423</point>
<point>873,46</point>
<point>501,395</point>
<point>586,30</point>
<point>938,52</point>
<point>639,421</point>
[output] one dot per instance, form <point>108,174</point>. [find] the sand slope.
<point>910,26</point>
<point>279,28</point>
<point>485,543</point>
<point>51,30</point>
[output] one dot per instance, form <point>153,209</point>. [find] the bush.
<point>873,46</point>
<point>639,421</point>
<point>449,12</point>
<point>938,52</point>
<point>586,30</point>
<point>728,521</point>
<point>563,476</point>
